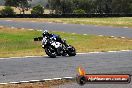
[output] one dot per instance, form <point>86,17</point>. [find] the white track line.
<point>84,34</point>
<point>22,28</point>
<point>95,52</point>
<point>8,20</point>
<point>47,79</point>
<point>73,33</point>
<point>1,26</point>
<point>34,56</point>
<point>30,29</point>
<point>77,54</point>
<point>126,50</point>
<point>43,80</point>
<point>112,36</point>
<point>68,77</point>
<point>12,27</point>
<point>123,37</point>
<point>14,82</point>
<point>17,57</point>
<point>64,23</point>
<point>113,51</point>
<point>24,81</point>
<point>33,21</point>
<point>82,53</point>
<point>39,30</point>
<point>34,80</point>
<point>125,27</point>
<point>57,78</point>
<point>82,24</point>
<point>50,22</point>
<point>3,83</point>
<point>100,35</point>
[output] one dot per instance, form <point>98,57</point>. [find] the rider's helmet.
<point>45,33</point>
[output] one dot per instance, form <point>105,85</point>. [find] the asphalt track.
<point>38,68</point>
<point>72,28</point>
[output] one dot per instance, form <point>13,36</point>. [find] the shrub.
<point>7,11</point>
<point>37,10</point>
<point>79,11</point>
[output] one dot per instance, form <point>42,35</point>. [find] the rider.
<point>54,36</point>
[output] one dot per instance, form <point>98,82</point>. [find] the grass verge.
<point>113,21</point>
<point>19,42</point>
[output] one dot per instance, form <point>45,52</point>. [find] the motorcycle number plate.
<point>56,44</point>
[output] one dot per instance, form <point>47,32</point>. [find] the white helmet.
<point>45,32</point>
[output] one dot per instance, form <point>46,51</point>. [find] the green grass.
<point>18,42</point>
<point>113,21</point>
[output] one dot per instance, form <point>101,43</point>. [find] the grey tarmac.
<point>37,68</point>
<point>72,28</point>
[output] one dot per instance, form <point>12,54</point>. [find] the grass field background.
<point>114,21</point>
<point>19,42</point>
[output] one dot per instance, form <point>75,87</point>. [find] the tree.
<point>85,5</point>
<point>103,6</point>
<point>61,6</point>
<point>11,3</point>
<point>7,11</point>
<point>121,6</point>
<point>91,6</point>
<point>22,5</point>
<point>37,10</point>
<point>67,6</point>
<point>54,5</point>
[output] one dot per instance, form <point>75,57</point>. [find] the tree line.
<point>72,6</point>
<point>91,6</point>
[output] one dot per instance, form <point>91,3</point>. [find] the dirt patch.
<point>49,84</point>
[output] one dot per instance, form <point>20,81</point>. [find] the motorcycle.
<point>54,48</point>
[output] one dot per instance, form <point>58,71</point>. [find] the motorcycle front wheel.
<point>50,51</point>
<point>71,51</point>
